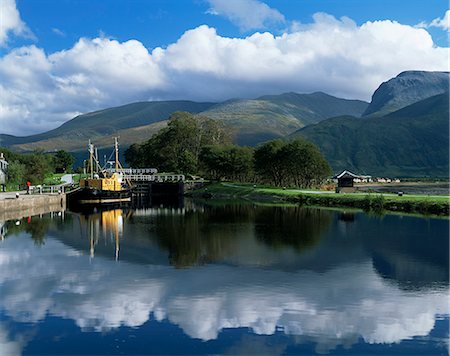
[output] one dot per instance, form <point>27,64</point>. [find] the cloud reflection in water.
<point>100,294</point>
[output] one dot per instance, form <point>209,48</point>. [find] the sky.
<point>61,58</point>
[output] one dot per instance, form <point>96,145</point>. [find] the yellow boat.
<point>103,186</point>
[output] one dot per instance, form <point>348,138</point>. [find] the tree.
<point>303,164</point>
<point>16,172</point>
<point>63,161</point>
<point>296,162</point>
<point>134,156</point>
<point>177,147</point>
<point>269,162</point>
<point>227,162</point>
<point>38,166</point>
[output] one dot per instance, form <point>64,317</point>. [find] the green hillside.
<point>412,141</point>
<point>274,116</point>
<point>96,125</point>
<point>252,121</point>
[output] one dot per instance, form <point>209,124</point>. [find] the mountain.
<point>274,116</point>
<point>104,124</point>
<point>253,121</point>
<point>412,141</point>
<point>405,89</point>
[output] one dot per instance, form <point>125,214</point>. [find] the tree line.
<point>36,166</point>
<point>195,145</point>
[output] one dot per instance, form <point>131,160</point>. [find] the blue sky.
<point>60,58</point>
<point>57,24</point>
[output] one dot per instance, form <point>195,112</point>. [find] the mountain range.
<point>403,131</point>
<point>412,141</point>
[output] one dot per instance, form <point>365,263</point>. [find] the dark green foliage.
<point>410,142</point>
<point>294,163</point>
<point>373,203</point>
<point>231,162</point>
<point>177,147</point>
<point>134,156</point>
<point>39,165</point>
<point>268,162</point>
<point>33,167</point>
<point>16,173</point>
<point>63,161</point>
<point>303,164</point>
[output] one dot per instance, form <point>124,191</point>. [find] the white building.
<point>3,169</point>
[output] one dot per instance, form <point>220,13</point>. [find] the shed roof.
<point>348,174</point>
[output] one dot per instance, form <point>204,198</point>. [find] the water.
<point>224,279</point>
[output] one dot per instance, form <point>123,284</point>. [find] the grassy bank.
<point>422,204</point>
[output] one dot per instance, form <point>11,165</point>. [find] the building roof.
<point>348,174</point>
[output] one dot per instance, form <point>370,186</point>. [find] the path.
<point>67,178</point>
<point>12,195</point>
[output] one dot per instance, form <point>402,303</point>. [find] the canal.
<point>213,278</point>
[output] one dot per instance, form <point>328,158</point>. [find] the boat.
<point>103,186</point>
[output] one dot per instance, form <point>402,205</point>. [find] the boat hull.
<point>96,196</point>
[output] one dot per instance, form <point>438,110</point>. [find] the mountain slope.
<point>412,141</point>
<point>98,124</point>
<point>253,121</point>
<point>405,89</point>
<point>273,116</point>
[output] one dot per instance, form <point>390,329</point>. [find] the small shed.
<point>345,181</point>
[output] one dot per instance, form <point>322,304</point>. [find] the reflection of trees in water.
<point>37,226</point>
<point>197,238</point>
<point>297,227</point>
<point>203,237</point>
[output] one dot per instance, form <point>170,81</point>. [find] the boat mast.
<point>116,145</point>
<point>91,158</point>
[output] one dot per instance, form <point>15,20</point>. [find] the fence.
<point>49,189</point>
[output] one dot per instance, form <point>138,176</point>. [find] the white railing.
<point>128,171</point>
<point>156,178</point>
<point>47,189</point>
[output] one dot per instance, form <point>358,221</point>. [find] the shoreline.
<point>375,202</point>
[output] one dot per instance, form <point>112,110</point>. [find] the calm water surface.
<point>224,279</point>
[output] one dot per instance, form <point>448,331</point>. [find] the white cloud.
<point>40,91</point>
<point>7,346</point>
<point>58,32</point>
<point>246,14</point>
<point>10,21</point>
<point>443,23</point>
<point>99,295</point>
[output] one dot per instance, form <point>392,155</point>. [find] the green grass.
<point>423,204</point>
<point>53,179</point>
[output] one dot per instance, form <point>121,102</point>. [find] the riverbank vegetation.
<point>36,167</point>
<point>421,204</point>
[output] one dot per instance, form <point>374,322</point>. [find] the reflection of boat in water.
<point>107,223</point>
<point>103,186</point>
